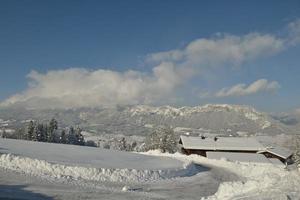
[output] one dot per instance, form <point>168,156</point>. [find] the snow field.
<point>69,162</point>
<point>43,168</point>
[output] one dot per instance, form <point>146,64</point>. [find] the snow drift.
<point>43,168</point>
<point>77,162</point>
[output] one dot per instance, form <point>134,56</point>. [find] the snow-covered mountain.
<point>291,119</point>
<point>140,119</point>
<point>213,117</point>
<point>168,111</point>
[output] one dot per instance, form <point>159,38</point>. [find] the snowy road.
<point>22,186</point>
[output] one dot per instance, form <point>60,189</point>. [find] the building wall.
<point>203,153</point>
<point>193,151</point>
<point>269,155</point>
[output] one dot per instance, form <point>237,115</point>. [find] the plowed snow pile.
<point>258,181</point>
<point>76,162</point>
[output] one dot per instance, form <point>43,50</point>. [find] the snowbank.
<point>77,162</point>
<point>43,168</point>
<point>88,163</point>
<point>74,155</point>
<point>259,181</point>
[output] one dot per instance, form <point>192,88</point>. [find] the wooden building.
<point>235,148</point>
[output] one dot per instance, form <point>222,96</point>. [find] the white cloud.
<point>261,85</point>
<point>76,87</point>
<point>294,32</point>
<point>204,95</point>
<point>228,49</point>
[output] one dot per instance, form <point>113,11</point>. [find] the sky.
<point>68,54</point>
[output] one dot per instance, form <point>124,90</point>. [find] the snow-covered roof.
<point>279,151</point>
<point>241,157</point>
<point>222,143</point>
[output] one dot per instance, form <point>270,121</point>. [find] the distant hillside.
<point>139,120</point>
<point>292,120</point>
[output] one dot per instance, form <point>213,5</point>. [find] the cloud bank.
<point>78,87</point>
<point>261,85</point>
<point>226,49</point>
<point>294,32</point>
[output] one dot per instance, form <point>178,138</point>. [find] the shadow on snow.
<point>18,192</point>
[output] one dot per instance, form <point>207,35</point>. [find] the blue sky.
<point>118,36</point>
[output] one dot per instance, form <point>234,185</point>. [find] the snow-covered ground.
<point>81,156</point>
<point>78,162</point>
<point>31,170</point>
<point>256,181</point>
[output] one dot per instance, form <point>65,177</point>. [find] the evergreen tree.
<point>45,133</point>
<point>79,137</point>
<point>71,136</point>
<point>35,133</point>
<point>63,137</point>
<point>52,130</point>
<point>30,130</point>
<point>40,133</point>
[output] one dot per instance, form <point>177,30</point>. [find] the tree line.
<point>49,132</point>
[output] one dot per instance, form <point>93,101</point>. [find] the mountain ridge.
<point>141,119</point>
